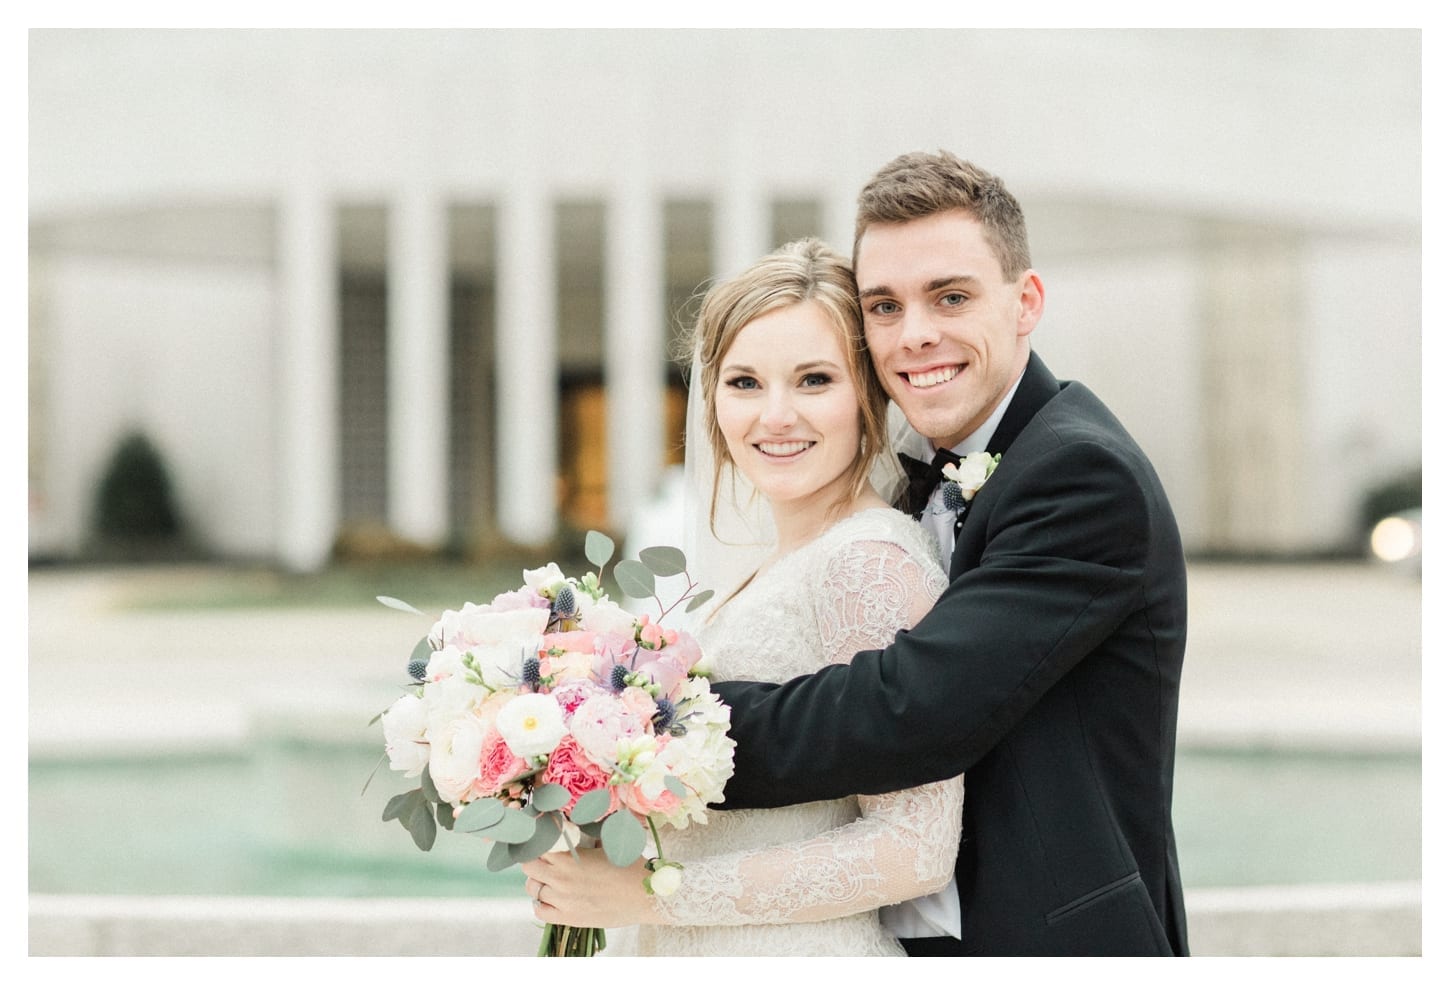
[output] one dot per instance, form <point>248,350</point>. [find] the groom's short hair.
<point>917,185</point>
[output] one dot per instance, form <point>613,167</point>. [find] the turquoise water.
<point>289,820</point>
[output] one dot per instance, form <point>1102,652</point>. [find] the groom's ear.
<point>1030,301</point>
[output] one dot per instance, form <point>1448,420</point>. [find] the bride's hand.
<point>588,892</point>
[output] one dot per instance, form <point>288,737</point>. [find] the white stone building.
<point>427,278</point>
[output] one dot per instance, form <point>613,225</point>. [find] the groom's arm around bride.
<point>1048,672</point>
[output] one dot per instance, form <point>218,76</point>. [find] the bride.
<point>792,406</point>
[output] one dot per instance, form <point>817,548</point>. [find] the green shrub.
<point>134,502</point>
<point>1403,492</point>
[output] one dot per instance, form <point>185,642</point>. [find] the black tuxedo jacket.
<point>1047,672</point>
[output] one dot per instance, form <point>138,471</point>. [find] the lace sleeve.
<point>903,846</point>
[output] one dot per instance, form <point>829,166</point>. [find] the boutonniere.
<point>963,481</point>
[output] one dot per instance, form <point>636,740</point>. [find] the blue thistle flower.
<point>531,671</point>
<point>664,718</point>
<point>565,605</point>
<point>417,668</point>
<point>953,498</point>
<point>617,677</point>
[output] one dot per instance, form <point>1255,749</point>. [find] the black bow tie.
<point>922,478</point>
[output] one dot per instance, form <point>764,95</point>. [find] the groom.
<point>1048,672</point>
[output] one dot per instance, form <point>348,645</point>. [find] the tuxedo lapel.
<point>1038,386</point>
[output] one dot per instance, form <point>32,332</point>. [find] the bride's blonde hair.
<point>806,270</point>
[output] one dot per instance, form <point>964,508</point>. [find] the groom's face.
<point>947,332</point>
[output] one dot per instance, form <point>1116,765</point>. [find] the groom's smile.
<point>921,379</point>
<point>947,331</point>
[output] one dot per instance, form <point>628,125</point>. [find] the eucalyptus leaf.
<point>429,790</point>
<point>513,827</point>
<point>543,839</point>
<point>444,814</point>
<point>399,604</point>
<point>598,548</point>
<point>376,766</point>
<point>420,824</point>
<point>590,807</point>
<point>479,814</point>
<point>498,857</point>
<point>623,838</point>
<point>700,599</point>
<point>635,580</point>
<point>676,787</point>
<point>592,829</point>
<point>422,650</point>
<point>396,805</point>
<point>549,797</point>
<point>664,561</point>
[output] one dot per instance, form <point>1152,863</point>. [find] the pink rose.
<point>637,801</point>
<point>573,770</point>
<point>498,765</point>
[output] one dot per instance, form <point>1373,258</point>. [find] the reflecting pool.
<point>289,818</point>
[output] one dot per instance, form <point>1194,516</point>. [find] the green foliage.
<point>598,548</point>
<point>398,604</point>
<point>546,833</point>
<point>700,599</point>
<point>134,501</point>
<point>590,807</point>
<point>549,797</point>
<point>623,838</point>
<point>635,580</point>
<point>663,561</point>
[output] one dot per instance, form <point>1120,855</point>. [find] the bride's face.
<point>786,406</point>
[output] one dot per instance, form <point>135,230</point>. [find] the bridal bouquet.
<point>551,715</point>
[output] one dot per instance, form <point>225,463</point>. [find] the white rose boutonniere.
<point>965,479</point>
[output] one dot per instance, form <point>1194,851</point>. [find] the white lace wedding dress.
<point>808,880</point>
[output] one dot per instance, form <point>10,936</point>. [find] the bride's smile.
<point>788,411</point>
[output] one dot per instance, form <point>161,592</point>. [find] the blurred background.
<point>316,316</point>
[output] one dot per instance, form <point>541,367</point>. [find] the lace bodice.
<point>809,879</point>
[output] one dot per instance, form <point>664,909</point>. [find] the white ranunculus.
<point>544,580</point>
<point>449,698</point>
<point>456,758</point>
<point>665,880</point>
<point>405,728</point>
<point>604,616</point>
<point>531,724</point>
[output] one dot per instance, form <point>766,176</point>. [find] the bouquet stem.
<point>560,941</point>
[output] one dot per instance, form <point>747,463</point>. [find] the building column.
<point>527,382</point>
<point>418,373</point>
<point>1250,338</point>
<point>308,433</point>
<point>742,211</point>
<point>634,348</point>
